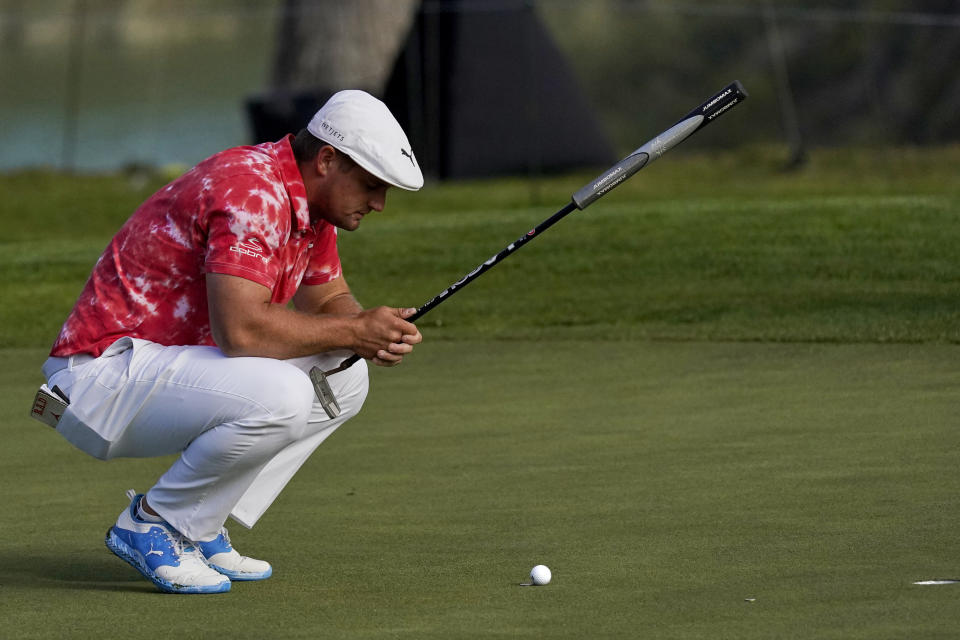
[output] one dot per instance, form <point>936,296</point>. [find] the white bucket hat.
<point>362,127</point>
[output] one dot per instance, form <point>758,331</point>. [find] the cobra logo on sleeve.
<point>250,248</point>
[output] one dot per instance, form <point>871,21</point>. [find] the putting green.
<point>676,490</point>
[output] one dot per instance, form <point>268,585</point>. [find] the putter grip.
<point>697,119</point>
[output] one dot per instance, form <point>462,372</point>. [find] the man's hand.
<point>384,336</point>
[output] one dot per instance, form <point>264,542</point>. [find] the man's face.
<point>349,193</point>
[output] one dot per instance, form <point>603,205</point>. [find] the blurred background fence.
<point>106,84</point>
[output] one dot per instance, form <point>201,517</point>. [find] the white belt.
<point>54,364</point>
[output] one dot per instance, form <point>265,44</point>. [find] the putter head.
<point>324,393</point>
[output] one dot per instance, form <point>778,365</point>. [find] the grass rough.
<point>858,247</point>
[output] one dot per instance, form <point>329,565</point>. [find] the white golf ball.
<point>540,575</point>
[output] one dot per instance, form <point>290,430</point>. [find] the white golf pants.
<point>242,426</point>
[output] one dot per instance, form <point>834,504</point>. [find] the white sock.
<point>146,517</point>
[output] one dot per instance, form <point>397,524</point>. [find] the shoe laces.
<point>183,546</point>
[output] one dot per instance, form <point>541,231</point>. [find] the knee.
<point>285,395</point>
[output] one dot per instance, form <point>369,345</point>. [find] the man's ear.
<point>325,160</point>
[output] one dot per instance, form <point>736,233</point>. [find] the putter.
<point>710,110</point>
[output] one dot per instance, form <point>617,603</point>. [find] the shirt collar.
<point>293,182</point>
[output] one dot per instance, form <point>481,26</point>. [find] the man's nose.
<point>378,202</point>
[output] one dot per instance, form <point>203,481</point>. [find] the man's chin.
<point>349,225</point>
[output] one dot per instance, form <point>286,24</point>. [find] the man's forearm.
<point>275,331</point>
<point>344,303</point>
<point>282,333</point>
<point>244,322</point>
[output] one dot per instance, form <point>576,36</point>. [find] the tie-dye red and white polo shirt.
<point>242,212</point>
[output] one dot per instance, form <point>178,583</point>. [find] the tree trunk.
<point>333,44</point>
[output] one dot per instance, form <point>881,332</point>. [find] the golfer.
<point>183,341</point>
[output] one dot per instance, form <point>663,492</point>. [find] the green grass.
<point>860,247</point>
<point>664,484</point>
<point>720,383</point>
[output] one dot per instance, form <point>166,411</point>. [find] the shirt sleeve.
<point>324,264</point>
<point>247,220</point>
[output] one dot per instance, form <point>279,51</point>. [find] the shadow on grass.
<point>87,570</point>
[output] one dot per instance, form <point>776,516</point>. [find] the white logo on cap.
<point>331,131</point>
